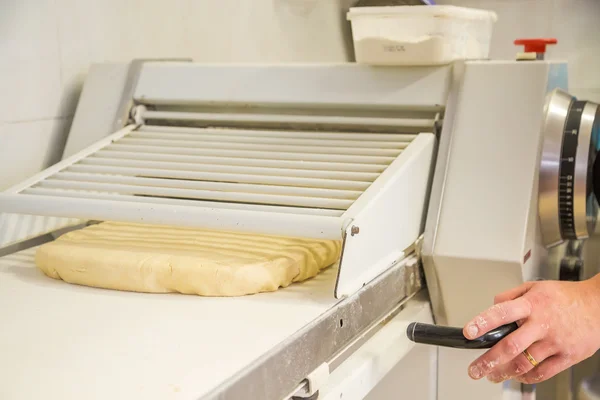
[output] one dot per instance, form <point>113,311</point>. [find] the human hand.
<point>559,326</point>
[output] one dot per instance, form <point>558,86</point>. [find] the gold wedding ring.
<point>530,358</point>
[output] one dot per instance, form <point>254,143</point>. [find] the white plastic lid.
<point>430,11</point>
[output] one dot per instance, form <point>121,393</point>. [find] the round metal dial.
<point>567,204</point>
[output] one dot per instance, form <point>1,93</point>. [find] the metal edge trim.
<point>436,192</point>
<point>26,244</point>
<point>557,108</point>
<point>38,240</point>
<point>581,170</point>
<point>277,373</point>
<point>337,277</point>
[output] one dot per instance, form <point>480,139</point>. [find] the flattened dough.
<point>153,259</point>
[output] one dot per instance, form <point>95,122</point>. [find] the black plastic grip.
<point>453,337</point>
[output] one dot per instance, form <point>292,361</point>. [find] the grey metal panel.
<point>105,102</point>
<point>98,105</point>
<point>286,85</point>
<point>19,231</point>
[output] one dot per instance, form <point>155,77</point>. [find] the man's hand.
<point>559,326</point>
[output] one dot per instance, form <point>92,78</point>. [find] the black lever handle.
<point>453,337</point>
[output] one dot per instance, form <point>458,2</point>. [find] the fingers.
<point>507,350</point>
<point>546,370</point>
<point>520,365</point>
<point>513,293</point>
<point>498,315</point>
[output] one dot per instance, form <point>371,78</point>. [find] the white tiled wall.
<point>46,47</point>
<point>27,147</point>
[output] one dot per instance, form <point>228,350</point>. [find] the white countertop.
<point>60,341</point>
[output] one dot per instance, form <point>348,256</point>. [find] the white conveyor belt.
<point>60,342</point>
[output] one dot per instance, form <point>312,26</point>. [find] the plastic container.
<point>420,35</point>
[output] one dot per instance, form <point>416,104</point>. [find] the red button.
<point>535,45</point>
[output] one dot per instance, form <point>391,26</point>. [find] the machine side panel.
<point>387,218</point>
<point>487,233</point>
<point>493,162</point>
<point>98,105</point>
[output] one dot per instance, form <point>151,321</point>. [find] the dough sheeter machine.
<point>429,175</point>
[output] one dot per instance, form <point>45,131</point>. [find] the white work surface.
<point>60,341</point>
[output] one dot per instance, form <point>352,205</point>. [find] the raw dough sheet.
<point>156,259</point>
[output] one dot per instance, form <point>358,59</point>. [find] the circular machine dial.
<point>567,203</point>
